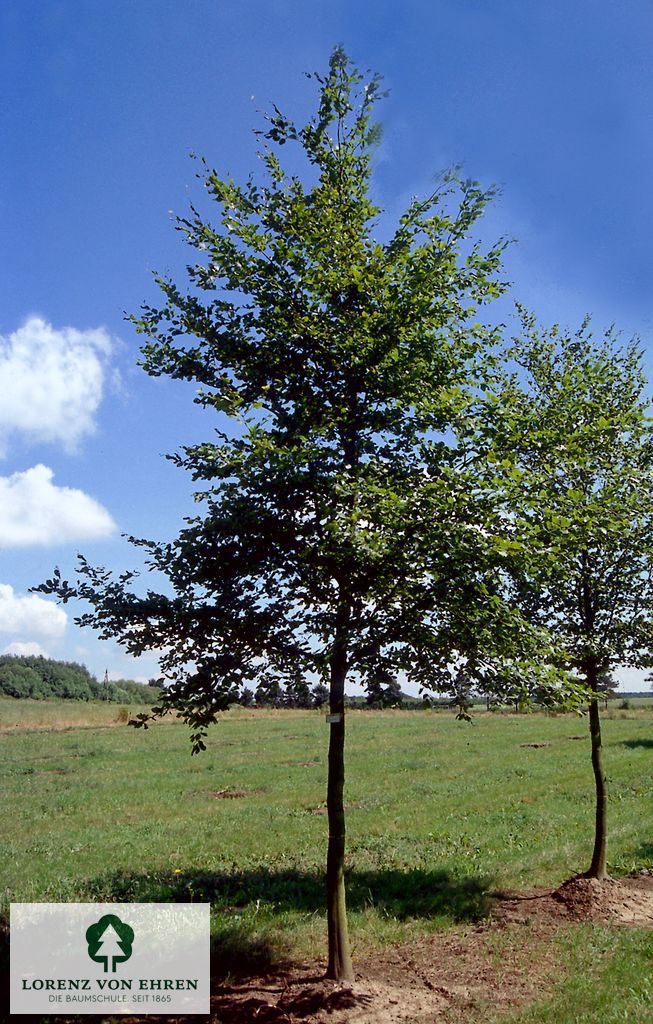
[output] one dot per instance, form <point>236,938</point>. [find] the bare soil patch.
<point>628,901</point>
<point>446,977</point>
<point>545,743</point>
<point>480,971</point>
<point>232,794</point>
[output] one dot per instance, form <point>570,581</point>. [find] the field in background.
<point>65,714</point>
<point>645,702</point>
<point>17,715</point>
<point>441,813</point>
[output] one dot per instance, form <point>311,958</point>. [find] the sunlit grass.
<point>440,812</point>
<point>606,977</point>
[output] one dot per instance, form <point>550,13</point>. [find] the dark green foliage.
<point>320,695</point>
<point>40,678</point>
<point>397,699</point>
<point>18,680</point>
<point>32,676</point>
<point>298,695</point>
<point>343,503</point>
<point>129,690</point>
<point>574,438</point>
<point>269,694</point>
<point>383,690</point>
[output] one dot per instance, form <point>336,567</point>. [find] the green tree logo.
<point>110,941</point>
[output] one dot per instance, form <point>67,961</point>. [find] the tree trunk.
<point>340,968</point>
<point>598,867</point>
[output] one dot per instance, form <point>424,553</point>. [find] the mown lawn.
<point>441,813</point>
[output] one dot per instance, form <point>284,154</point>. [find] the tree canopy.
<point>346,504</point>
<point>575,437</point>
<point>576,432</point>
<point>343,527</point>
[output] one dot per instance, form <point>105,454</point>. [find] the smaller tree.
<point>393,695</point>
<point>269,694</point>
<point>607,685</point>
<point>374,687</point>
<point>320,695</point>
<point>383,690</point>
<point>298,694</point>
<point>575,443</point>
<point>462,696</point>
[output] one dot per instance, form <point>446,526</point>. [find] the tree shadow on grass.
<point>247,944</point>
<point>401,893</point>
<point>633,744</point>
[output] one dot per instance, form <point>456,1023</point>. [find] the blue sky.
<point>103,100</point>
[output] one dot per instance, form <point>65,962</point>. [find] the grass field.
<point>441,813</point>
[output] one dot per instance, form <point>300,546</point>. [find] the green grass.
<point>607,979</point>
<point>441,813</point>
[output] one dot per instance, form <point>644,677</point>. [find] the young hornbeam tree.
<point>340,533</point>
<point>575,435</point>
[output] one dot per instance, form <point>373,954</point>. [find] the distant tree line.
<point>41,678</point>
<point>381,693</point>
<point>271,694</point>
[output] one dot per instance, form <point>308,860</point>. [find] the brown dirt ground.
<point>626,902</point>
<point>490,968</point>
<point>232,794</point>
<point>478,972</point>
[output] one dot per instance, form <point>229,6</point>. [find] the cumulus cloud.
<point>51,382</point>
<point>26,615</point>
<point>33,510</point>
<point>23,649</point>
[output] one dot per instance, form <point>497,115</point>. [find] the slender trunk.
<point>598,867</point>
<point>340,968</point>
<point>587,609</point>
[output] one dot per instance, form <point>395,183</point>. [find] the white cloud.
<point>23,649</point>
<point>30,614</point>
<point>34,511</point>
<point>51,382</point>
<point>115,676</point>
